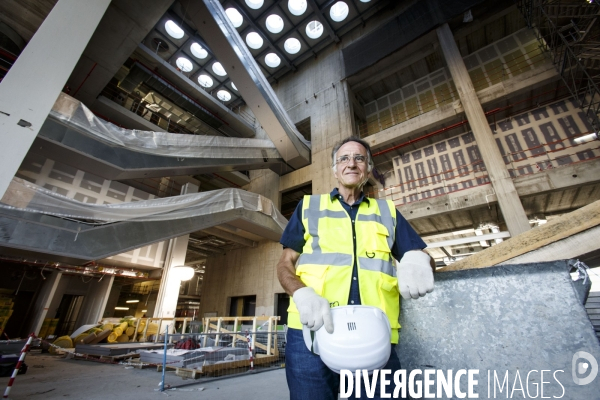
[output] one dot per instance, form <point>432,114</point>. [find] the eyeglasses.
<point>358,159</point>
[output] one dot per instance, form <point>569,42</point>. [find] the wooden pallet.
<point>183,372</point>
<point>137,364</point>
<point>93,357</point>
<point>219,369</point>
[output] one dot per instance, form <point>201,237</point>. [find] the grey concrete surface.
<point>54,377</point>
<point>511,320</point>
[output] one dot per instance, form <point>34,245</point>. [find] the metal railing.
<point>558,33</point>
<point>213,355</point>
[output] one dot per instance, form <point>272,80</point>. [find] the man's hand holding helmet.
<point>314,309</point>
<point>415,275</point>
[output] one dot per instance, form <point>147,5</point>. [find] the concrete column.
<point>44,300</point>
<point>346,110</point>
<point>94,303</point>
<point>508,199</point>
<point>266,183</point>
<point>168,293</point>
<point>29,90</point>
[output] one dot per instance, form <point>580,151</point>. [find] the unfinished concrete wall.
<point>508,320</point>
<point>530,143</point>
<point>69,285</point>
<point>242,272</point>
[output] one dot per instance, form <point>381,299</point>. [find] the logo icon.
<point>580,367</point>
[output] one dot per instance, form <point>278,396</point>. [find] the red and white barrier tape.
<point>16,371</point>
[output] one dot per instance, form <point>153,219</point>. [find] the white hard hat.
<point>360,340</point>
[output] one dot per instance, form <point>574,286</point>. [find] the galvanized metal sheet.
<point>512,321</point>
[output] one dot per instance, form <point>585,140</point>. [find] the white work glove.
<point>314,309</point>
<point>415,277</point>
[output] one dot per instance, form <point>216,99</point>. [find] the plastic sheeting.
<point>25,196</point>
<point>72,112</point>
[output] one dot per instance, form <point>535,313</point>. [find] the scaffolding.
<point>569,31</point>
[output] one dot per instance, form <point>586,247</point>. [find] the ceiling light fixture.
<point>223,95</point>
<point>255,4</point>
<point>274,23</point>
<point>198,51</point>
<point>297,7</point>
<point>339,11</point>
<point>218,69</point>
<point>233,86</point>
<point>254,41</point>
<point>173,30</point>
<point>272,60</point>
<point>235,17</point>
<point>292,45</point>
<point>314,29</point>
<point>184,64</point>
<point>132,301</point>
<point>122,308</point>
<point>586,138</point>
<point>205,81</point>
<point>182,272</point>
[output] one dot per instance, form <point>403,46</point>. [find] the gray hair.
<point>352,139</point>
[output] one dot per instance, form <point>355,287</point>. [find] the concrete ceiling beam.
<point>212,23</point>
<point>120,31</point>
<point>230,236</point>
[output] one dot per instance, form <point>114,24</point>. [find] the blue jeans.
<point>309,379</point>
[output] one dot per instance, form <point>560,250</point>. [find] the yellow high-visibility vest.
<point>328,256</point>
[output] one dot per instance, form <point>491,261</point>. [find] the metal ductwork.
<point>139,74</point>
<point>28,234</point>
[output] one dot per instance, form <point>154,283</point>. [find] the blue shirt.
<point>406,237</point>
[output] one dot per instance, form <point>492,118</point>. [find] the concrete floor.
<point>54,377</point>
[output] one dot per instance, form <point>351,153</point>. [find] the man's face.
<point>352,173</point>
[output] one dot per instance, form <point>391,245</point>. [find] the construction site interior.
<point>156,149</point>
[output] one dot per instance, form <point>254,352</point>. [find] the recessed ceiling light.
<point>235,17</point>
<point>254,41</point>
<point>205,81</point>
<point>339,11</point>
<point>272,60</point>
<point>218,69</point>
<point>184,64</point>
<point>198,51</point>
<point>314,29</point>
<point>365,1</point>
<point>292,45</point>
<point>297,7</point>
<point>255,4</point>
<point>173,29</point>
<point>233,86</point>
<point>223,95</point>
<point>274,23</point>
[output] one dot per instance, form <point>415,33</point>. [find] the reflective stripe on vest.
<point>328,255</point>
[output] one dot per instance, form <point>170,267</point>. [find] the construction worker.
<point>337,251</point>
